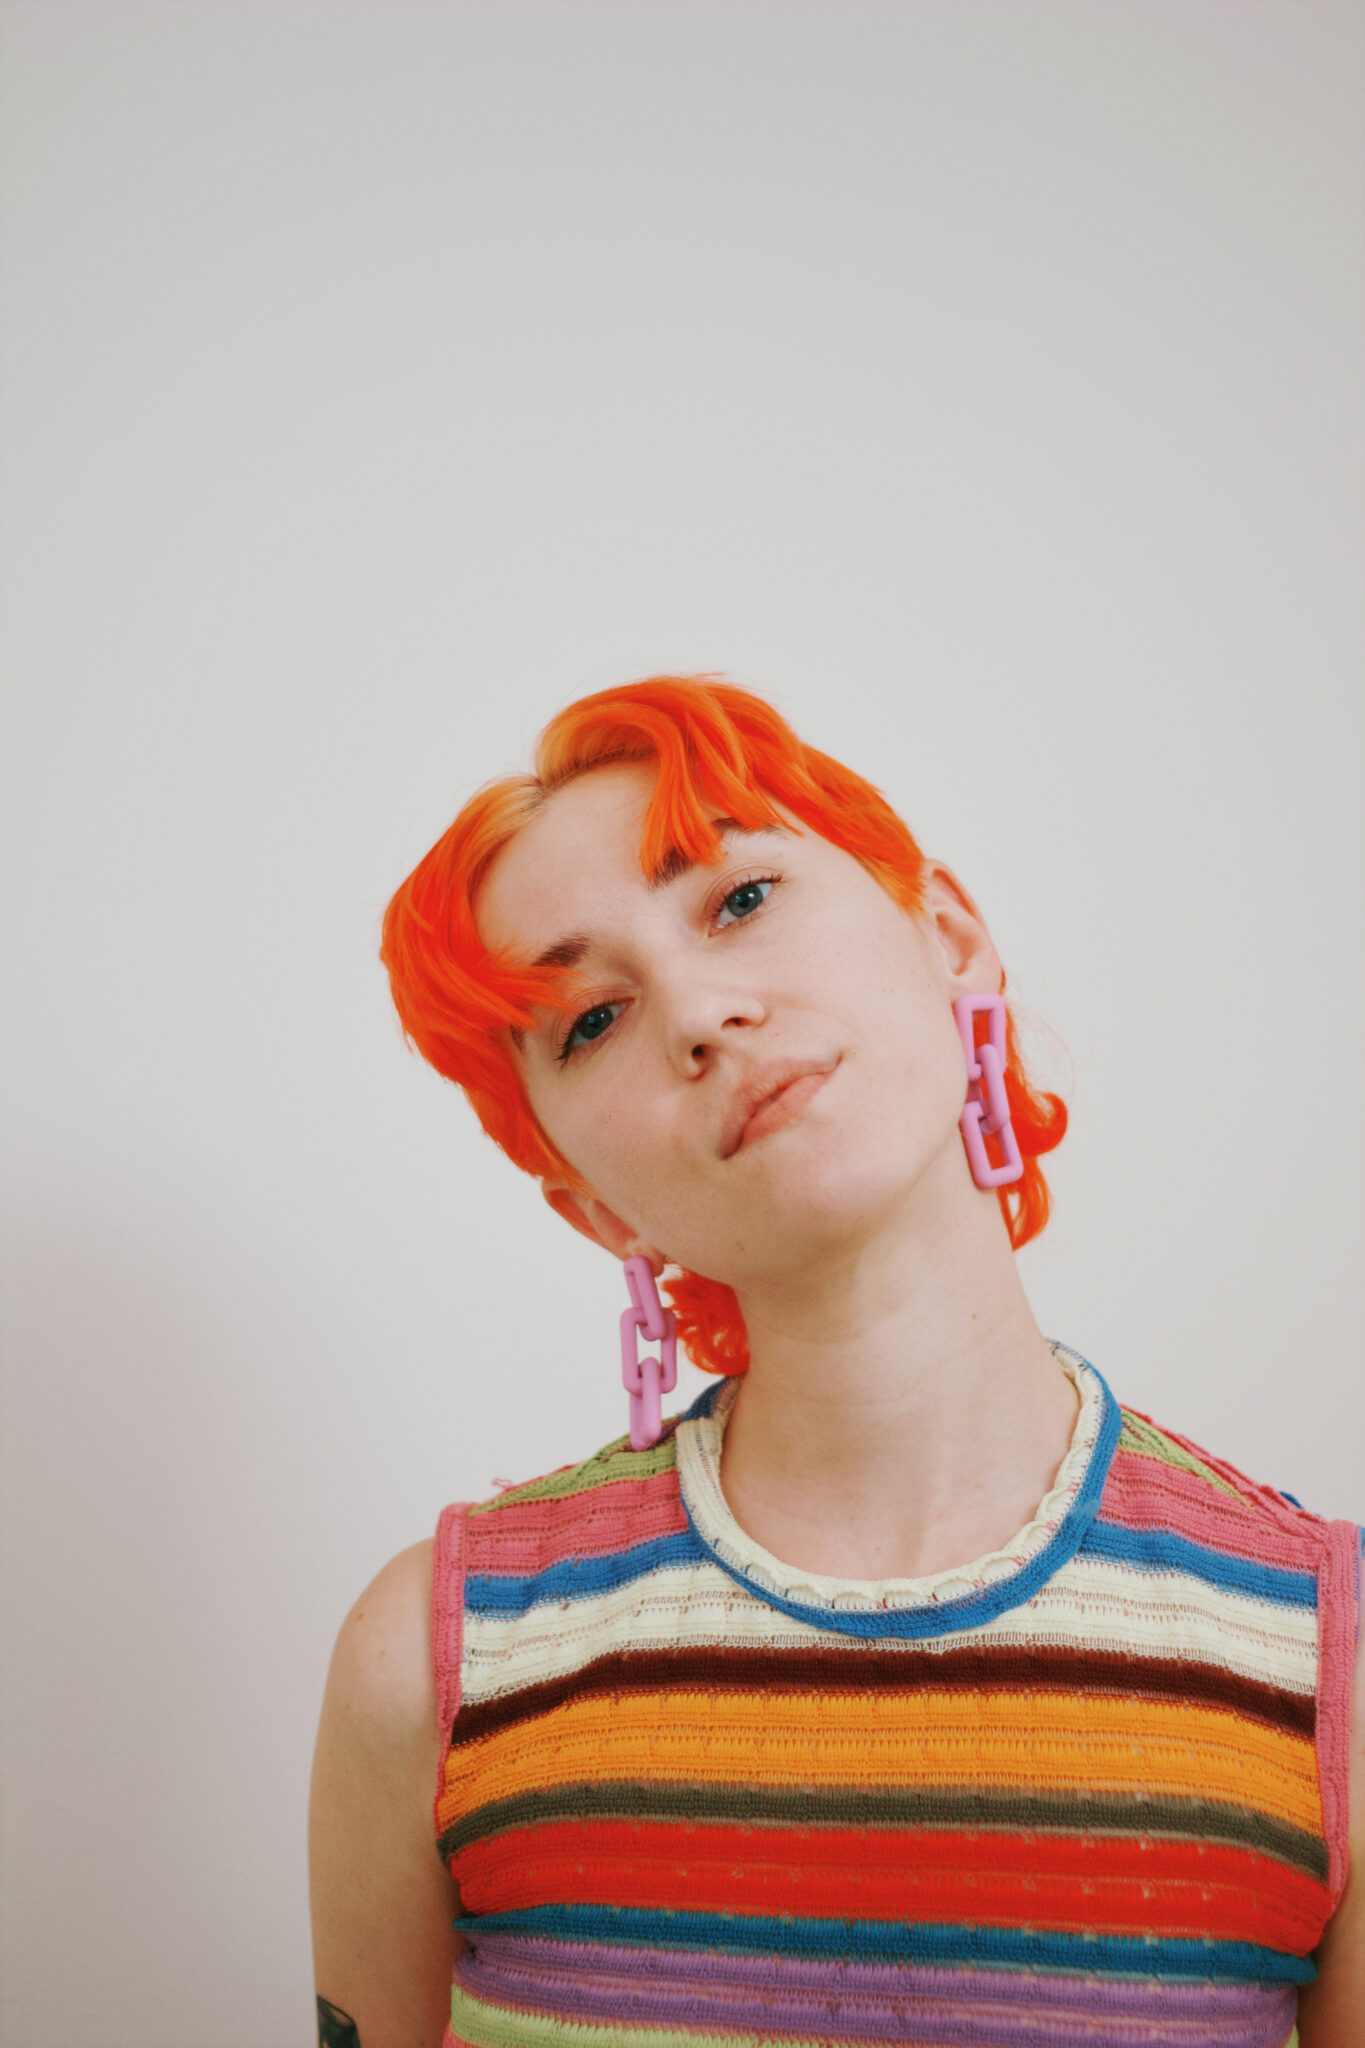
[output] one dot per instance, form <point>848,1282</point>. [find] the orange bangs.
<point>719,751</point>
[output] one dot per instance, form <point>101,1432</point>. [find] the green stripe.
<point>1145,1440</point>
<point>614,1461</point>
<point>495,2026</point>
<point>1109,1813</point>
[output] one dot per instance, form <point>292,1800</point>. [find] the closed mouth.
<point>761,1106</point>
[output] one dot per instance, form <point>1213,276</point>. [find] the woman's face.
<point>763,1069</point>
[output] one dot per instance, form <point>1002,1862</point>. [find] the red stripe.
<point>1110,1884</point>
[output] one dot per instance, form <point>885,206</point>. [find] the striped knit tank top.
<point>1089,1789</point>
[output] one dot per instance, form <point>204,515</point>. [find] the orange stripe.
<point>1014,1738</point>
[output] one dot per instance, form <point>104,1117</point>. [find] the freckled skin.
<point>827,965</point>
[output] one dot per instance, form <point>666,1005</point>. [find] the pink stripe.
<point>1143,1494</point>
<point>1338,1628</point>
<point>531,1536</point>
<point>1282,1511</point>
<point>447,1614</point>
<point>447,1639</point>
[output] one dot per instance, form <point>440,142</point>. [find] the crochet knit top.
<point>1088,1789</point>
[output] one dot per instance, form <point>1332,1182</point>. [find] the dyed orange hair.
<point>717,749</point>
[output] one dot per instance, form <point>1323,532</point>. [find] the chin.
<point>832,1205</point>
<point>821,1193</point>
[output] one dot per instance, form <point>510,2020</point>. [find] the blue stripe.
<point>1160,1550</point>
<point>942,1617</point>
<point>705,1401</point>
<point>1001,1948</point>
<point>578,1578</point>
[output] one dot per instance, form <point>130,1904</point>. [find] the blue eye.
<point>742,901</point>
<point>746,899</point>
<point>592,1024</point>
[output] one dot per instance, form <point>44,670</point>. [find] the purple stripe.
<point>865,2001</point>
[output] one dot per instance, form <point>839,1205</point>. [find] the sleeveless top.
<point>1088,1789</point>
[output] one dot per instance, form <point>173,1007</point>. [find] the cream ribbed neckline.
<point>699,1441</point>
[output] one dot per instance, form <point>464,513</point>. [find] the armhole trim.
<point>1338,1626</point>
<point>447,1614</point>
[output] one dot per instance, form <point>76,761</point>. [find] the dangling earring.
<point>986,1065</point>
<point>647,1380</point>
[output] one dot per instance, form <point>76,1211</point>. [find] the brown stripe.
<point>1039,1669</point>
<point>928,1806</point>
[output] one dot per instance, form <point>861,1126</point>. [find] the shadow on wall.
<point>166,1652</point>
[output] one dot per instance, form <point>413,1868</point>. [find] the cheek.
<point>929,1056</point>
<point>607,1142</point>
<point>617,1151</point>
<point>876,975</point>
<point>647,1174</point>
<point>904,1025</point>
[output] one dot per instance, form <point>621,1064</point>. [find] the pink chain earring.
<point>981,1119</point>
<point>647,1380</point>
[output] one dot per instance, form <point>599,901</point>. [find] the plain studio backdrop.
<point>982,383</point>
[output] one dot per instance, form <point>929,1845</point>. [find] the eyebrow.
<point>568,951</point>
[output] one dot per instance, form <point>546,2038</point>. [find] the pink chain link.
<point>988,1117</point>
<point>647,1380</point>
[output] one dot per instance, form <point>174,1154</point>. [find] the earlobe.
<point>574,1208</point>
<point>590,1215</point>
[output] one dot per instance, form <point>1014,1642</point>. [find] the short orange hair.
<point>717,749</point>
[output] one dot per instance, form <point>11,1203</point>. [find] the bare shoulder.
<point>381,1673</point>
<point>1330,2008</point>
<point>383,1903</point>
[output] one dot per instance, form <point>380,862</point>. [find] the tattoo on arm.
<point>336,2029</point>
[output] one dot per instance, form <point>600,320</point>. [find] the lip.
<point>759,1089</point>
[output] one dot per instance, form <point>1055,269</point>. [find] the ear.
<point>590,1214</point>
<point>968,950</point>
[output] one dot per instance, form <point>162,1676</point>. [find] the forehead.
<point>579,850</point>
<point>577,862</point>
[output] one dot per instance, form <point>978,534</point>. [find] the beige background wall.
<point>980,381</point>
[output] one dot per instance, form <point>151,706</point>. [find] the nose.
<point>700,1009</point>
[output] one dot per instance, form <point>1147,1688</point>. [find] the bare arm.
<point>1332,2009</point>
<point>382,1900</point>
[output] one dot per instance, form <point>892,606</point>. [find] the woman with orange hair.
<point>906,1687</point>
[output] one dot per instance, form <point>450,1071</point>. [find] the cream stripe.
<point>1091,1603</point>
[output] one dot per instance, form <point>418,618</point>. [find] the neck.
<point>902,1412</point>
